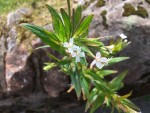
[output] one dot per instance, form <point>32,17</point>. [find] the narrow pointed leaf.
<point>49,66</point>
<point>130,104</point>
<point>77,16</point>
<point>47,37</point>
<point>85,86</point>
<point>58,25</point>
<point>75,78</point>
<point>97,103</point>
<point>67,22</point>
<point>116,82</point>
<point>84,26</point>
<point>103,73</point>
<point>117,59</point>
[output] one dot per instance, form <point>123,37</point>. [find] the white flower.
<point>81,2</point>
<point>77,53</point>
<point>99,61</point>
<point>123,36</point>
<point>110,48</point>
<point>69,45</point>
<point>74,50</point>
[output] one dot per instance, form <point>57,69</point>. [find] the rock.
<point>137,29</point>
<point>14,17</point>
<point>2,63</point>
<point>54,82</point>
<point>24,72</point>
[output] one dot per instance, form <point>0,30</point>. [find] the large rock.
<point>109,21</point>
<point>24,72</point>
<point>2,63</point>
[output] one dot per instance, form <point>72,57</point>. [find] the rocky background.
<point>26,88</point>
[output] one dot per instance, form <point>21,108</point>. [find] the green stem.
<point>69,9</point>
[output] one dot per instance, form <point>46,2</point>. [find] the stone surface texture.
<point>137,30</point>
<point>24,68</point>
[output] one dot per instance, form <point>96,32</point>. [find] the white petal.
<point>70,50</point>
<point>103,59</point>
<point>78,49</point>
<point>71,41</point>
<point>93,63</point>
<point>66,44</point>
<point>74,47</point>
<point>77,59</point>
<point>81,2</point>
<point>98,55</point>
<point>73,54</point>
<point>123,36</point>
<point>99,65</point>
<point>82,54</point>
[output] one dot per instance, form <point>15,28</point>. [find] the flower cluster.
<point>75,52</point>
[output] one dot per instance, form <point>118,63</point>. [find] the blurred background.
<point>26,88</point>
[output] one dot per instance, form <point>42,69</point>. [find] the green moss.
<point>104,22</point>
<point>100,3</point>
<point>148,1</point>
<point>128,10</point>
<point>92,0</point>
<point>9,5</point>
<point>142,12</point>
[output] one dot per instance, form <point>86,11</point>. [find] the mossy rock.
<point>104,22</point>
<point>142,12</point>
<point>148,1</point>
<point>100,3</point>
<point>128,10</point>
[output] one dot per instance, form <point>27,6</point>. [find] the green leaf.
<point>58,25</point>
<point>93,74</point>
<point>69,9</point>
<point>103,73</point>
<point>64,61</point>
<point>75,79</point>
<point>85,84</point>
<point>124,96</point>
<point>47,37</point>
<point>87,50</point>
<point>83,61</point>
<point>116,60</point>
<point>77,17</point>
<point>103,87</point>
<point>52,57</point>
<point>49,66</point>
<point>91,42</point>
<point>78,14</point>
<point>92,97</point>
<point>116,83</point>
<point>97,103</point>
<point>41,47</point>
<point>118,46</point>
<point>83,26</point>
<point>67,22</point>
<point>130,105</point>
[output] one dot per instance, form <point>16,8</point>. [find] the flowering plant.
<point>69,38</point>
